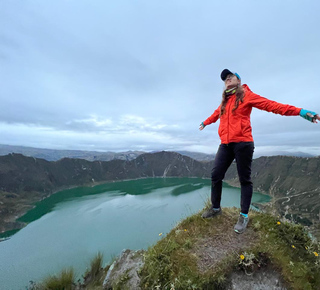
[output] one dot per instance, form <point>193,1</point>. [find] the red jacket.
<point>235,126</point>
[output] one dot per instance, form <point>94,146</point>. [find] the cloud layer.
<point>142,75</point>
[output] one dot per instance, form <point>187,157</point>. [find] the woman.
<point>236,139</point>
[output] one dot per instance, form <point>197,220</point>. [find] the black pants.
<point>242,152</point>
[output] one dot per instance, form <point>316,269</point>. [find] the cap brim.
<point>225,73</point>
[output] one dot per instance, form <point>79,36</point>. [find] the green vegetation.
<point>64,281</point>
<point>96,265</point>
<point>94,276</point>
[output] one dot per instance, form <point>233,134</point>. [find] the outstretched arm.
<point>212,119</point>
<point>265,104</point>
<point>282,109</point>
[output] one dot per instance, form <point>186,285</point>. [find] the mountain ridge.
<point>56,154</point>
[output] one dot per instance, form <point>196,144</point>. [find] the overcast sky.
<point>123,75</point>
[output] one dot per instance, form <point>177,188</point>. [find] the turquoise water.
<point>70,227</point>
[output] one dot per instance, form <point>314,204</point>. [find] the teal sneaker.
<point>241,225</point>
<point>211,213</point>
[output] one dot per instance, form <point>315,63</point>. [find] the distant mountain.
<point>293,182</point>
<point>54,155</point>
<point>197,155</point>
<point>284,153</point>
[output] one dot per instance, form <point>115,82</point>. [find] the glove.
<point>202,126</point>
<point>308,115</point>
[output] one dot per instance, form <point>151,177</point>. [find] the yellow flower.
<point>278,223</point>
<point>185,230</point>
<point>242,257</point>
<point>160,234</point>
<point>316,254</point>
<point>306,248</point>
<point>293,246</point>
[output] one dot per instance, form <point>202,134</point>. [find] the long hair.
<point>225,97</point>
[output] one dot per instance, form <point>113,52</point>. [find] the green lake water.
<point>69,228</point>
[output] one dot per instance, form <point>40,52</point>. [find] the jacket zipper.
<point>228,112</point>
<point>229,105</point>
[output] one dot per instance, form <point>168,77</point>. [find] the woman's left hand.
<point>316,117</point>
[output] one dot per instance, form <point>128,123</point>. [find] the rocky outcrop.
<point>124,272</point>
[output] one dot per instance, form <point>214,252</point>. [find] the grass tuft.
<point>94,276</point>
<point>64,281</point>
<point>95,265</point>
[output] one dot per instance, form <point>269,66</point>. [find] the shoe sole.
<point>210,217</point>
<point>239,232</point>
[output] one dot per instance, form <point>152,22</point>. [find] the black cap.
<point>225,73</point>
